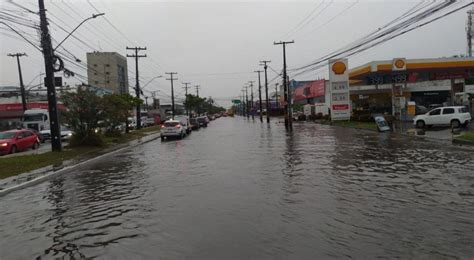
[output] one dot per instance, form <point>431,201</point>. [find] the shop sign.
<point>339,87</point>
<point>399,64</point>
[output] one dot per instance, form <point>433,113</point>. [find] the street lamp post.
<point>92,17</point>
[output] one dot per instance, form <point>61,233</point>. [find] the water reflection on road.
<point>243,189</point>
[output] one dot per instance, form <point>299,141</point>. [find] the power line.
<point>383,36</point>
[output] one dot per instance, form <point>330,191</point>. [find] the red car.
<point>13,141</point>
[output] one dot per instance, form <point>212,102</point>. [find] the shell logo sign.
<point>339,68</point>
<point>399,64</point>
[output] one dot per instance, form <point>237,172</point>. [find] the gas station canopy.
<point>415,70</point>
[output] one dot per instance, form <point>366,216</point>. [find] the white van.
<point>37,119</point>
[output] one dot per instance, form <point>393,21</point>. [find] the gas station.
<point>400,86</point>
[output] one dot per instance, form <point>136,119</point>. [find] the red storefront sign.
<point>340,107</point>
<point>311,90</point>
<point>317,88</point>
<point>299,93</point>
<point>31,105</point>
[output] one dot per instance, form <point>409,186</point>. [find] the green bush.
<point>92,139</point>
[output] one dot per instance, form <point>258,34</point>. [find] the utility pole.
<point>186,97</point>
<point>276,96</point>
<point>260,95</point>
<point>247,101</point>
<point>172,91</point>
<point>265,66</point>
<point>469,32</point>
<point>288,119</point>
<point>153,95</point>
<point>137,84</point>
<point>251,99</point>
<point>48,54</point>
<point>22,87</point>
<point>244,104</point>
<point>197,94</point>
<point>146,103</point>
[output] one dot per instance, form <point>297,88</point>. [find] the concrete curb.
<point>462,142</point>
<point>43,178</point>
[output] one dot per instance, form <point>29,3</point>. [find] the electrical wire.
<point>390,31</point>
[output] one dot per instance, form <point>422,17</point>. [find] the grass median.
<point>11,166</point>
<point>467,136</point>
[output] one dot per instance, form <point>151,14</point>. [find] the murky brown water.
<point>243,190</point>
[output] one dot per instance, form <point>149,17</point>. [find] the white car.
<point>184,120</point>
<point>66,134</point>
<point>455,116</point>
<point>172,128</point>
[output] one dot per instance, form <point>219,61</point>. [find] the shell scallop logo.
<point>399,64</point>
<point>339,68</point>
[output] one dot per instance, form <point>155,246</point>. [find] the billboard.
<point>339,87</point>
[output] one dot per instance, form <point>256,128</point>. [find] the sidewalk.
<point>30,178</point>
<point>439,133</point>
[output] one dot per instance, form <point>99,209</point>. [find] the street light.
<point>157,77</point>
<point>92,17</point>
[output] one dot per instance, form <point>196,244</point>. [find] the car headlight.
<point>3,144</point>
<point>69,134</point>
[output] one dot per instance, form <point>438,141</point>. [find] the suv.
<point>454,116</point>
<point>202,120</point>
<point>184,120</point>
<point>172,128</point>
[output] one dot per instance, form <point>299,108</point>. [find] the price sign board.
<point>339,82</point>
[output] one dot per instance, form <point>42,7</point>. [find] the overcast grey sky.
<point>218,44</point>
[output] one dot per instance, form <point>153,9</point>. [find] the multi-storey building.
<point>108,70</point>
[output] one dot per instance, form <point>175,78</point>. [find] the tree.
<point>84,110</point>
<point>117,110</point>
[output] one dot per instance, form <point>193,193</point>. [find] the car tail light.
<point>162,126</point>
<point>178,126</point>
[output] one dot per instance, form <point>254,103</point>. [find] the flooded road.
<point>240,189</point>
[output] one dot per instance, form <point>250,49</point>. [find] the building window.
<point>108,81</point>
<point>96,82</point>
<point>107,65</point>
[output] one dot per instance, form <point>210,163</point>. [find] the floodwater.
<point>241,189</point>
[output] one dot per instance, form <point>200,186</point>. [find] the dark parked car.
<point>194,124</point>
<point>203,120</point>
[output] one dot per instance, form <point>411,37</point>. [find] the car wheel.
<point>35,146</point>
<point>13,149</point>
<point>162,138</point>
<point>455,123</point>
<point>420,124</point>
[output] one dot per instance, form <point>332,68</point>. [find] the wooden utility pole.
<point>260,95</point>
<point>186,96</point>
<point>137,84</point>
<point>247,101</point>
<point>197,94</point>
<point>171,79</point>
<point>251,98</point>
<point>286,96</point>
<point>22,86</point>
<point>265,66</point>
<point>48,54</point>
